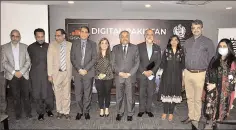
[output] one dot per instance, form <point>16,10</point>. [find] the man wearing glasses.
<point>60,72</point>
<point>16,64</point>
<point>83,58</point>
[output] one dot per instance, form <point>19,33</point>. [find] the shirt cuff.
<point>13,72</point>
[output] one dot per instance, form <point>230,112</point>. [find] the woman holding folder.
<point>171,80</point>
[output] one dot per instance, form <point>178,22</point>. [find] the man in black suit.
<point>83,58</point>
<point>41,88</point>
<point>150,59</point>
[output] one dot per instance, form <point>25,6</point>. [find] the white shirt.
<point>16,56</point>
<point>149,50</point>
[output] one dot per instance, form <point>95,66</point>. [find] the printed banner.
<point>111,28</point>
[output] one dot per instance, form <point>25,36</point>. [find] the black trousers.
<point>44,105</point>
<point>168,107</point>
<point>20,91</point>
<point>3,103</point>
<point>104,92</point>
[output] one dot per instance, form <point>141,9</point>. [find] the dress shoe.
<point>171,116</point>
<point>193,127</point>
<point>18,117</point>
<point>41,117</point>
<point>106,112</point>
<point>78,116</point>
<point>118,117</point>
<point>186,121</point>
<point>59,115</point>
<point>50,114</point>
<point>87,116</point>
<point>101,113</point>
<point>29,116</point>
<point>150,114</point>
<point>67,116</point>
<point>129,118</point>
<point>140,114</point>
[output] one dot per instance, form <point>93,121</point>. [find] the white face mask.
<point>223,51</point>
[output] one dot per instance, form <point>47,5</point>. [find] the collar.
<point>17,45</point>
<point>125,45</point>
<point>199,37</point>
<point>40,44</point>
<point>149,44</point>
<point>84,40</point>
<point>63,43</point>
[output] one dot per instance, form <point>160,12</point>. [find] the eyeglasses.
<point>58,35</point>
<point>15,36</point>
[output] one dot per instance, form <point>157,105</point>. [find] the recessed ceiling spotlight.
<point>71,2</point>
<point>147,5</point>
<point>228,8</point>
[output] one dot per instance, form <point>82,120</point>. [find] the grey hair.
<point>198,22</point>
<point>148,30</point>
<point>124,32</point>
<point>15,30</point>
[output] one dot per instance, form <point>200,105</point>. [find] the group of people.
<point>46,70</point>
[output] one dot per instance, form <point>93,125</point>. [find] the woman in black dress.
<point>171,80</point>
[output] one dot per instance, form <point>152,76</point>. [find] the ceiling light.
<point>228,8</point>
<point>71,2</point>
<point>147,6</point>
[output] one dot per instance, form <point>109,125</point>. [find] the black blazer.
<point>144,60</point>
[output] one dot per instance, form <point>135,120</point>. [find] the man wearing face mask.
<point>150,58</point>
<point>198,52</point>
<point>41,87</point>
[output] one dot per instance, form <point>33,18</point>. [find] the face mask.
<point>223,51</point>
<point>41,41</point>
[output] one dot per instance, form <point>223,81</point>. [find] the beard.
<point>41,41</point>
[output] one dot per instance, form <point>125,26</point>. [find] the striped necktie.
<point>83,53</point>
<point>63,57</point>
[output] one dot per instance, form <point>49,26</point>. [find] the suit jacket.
<point>127,64</point>
<point>89,59</point>
<point>144,60</point>
<point>9,64</point>
<point>53,61</point>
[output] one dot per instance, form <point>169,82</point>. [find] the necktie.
<point>83,53</point>
<point>63,57</point>
<point>124,49</point>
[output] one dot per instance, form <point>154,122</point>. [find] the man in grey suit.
<point>83,58</point>
<point>16,64</point>
<point>150,59</point>
<point>3,103</point>
<point>125,61</point>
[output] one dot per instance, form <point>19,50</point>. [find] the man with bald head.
<point>16,64</point>
<point>125,61</point>
<point>150,59</point>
